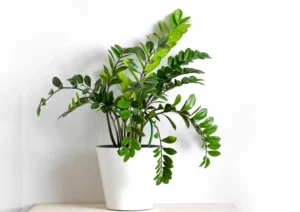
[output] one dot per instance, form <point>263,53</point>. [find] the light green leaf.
<point>169,139</point>
<point>139,119</point>
<point>177,100</point>
<point>126,141</point>
<point>135,144</point>
<point>201,114</point>
<point>123,104</point>
<point>125,114</point>
<point>190,102</point>
<point>210,130</point>
<point>208,121</point>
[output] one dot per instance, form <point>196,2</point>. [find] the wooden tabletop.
<point>158,208</point>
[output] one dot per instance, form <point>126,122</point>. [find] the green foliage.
<point>142,98</point>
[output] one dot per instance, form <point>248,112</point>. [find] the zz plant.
<point>142,99</point>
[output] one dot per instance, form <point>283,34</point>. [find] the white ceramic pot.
<point>130,185</point>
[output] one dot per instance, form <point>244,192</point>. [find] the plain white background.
<point>252,90</point>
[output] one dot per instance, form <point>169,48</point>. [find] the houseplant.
<point>141,102</point>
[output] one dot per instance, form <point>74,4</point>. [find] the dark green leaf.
<point>123,104</point>
<point>115,80</point>
<point>137,104</point>
<point>43,101</point>
<point>171,122</point>
<point>140,53</point>
<point>138,131</point>
<point>170,151</point>
<point>163,40</point>
<point>210,130</point>
<point>38,110</point>
<point>87,80</point>
<point>125,114</point>
<point>139,119</point>
<point>95,106</point>
<point>168,159</point>
<point>79,78</point>
<point>201,114</point>
<point>186,120</point>
<point>115,52</point>
<point>165,180</point>
<point>51,92</point>
<point>120,69</point>
<point>214,153</point>
<point>149,46</point>
<point>85,91</point>
<point>56,82</point>
<point>169,139</point>
<point>126,141</point>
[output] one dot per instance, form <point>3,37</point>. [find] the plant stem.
<point>110,131</point>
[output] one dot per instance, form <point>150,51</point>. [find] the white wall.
<point>252,90</point>
<point>10,116</point>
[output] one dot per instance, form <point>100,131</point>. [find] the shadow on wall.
<point>61,154</point>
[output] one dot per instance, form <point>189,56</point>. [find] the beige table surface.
<point>158,208</point>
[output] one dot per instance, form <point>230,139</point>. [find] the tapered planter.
<point>130,185</point>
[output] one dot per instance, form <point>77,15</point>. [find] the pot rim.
<point>144,146</point>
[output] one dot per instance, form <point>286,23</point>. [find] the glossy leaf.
<point>210,130</point>
<point>214,153</point>
<point>208,121</point>
<point>213,139</point>
<point>190,102</point>
<point>201,114</point>
<point>126,141</point>
<point>123,104</point>
<point>139,119</point>
<point>125,114</point>
<point>169,139</point>
<point>170,151</point>
<point>177,100</point>
<point>140,53</point>
<point>135,144</point>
